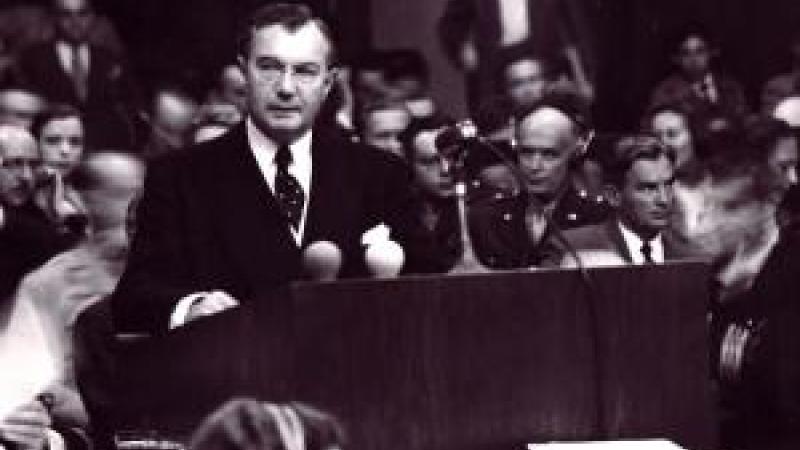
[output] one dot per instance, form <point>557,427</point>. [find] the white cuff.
<point>181,311</point>
<point>55,441</point>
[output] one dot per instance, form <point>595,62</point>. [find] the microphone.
<point>384,259</point>
<point>322,261</point>
<point>453,139</point>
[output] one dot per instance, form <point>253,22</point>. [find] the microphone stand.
<point>468,263</point>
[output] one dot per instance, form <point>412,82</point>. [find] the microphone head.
<point>322,261</point>
<point>452,140</point>
<point>385,259</point>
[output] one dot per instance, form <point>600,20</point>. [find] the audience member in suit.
<point>70,69</point>
<point>513,231</point>
<point>710,96</point>
<point>27,237</point>
<point>434,181</point>
<point>172,114</point>
<point>382,122</point>
<point>247,424</point>
<point>226,222</point>
<point>640,190</point>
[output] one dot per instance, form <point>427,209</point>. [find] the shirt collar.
<point>266,147</point>
<point>634,243</point>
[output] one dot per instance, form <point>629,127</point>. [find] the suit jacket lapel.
<point>617,240</point>
<point>251,220</point>
<point>60,75</point>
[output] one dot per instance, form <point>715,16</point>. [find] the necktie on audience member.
<point>647,252</point>
<point>287,189</point>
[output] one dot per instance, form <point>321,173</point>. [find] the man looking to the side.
<point>227,222</point>
<point>640,191</point>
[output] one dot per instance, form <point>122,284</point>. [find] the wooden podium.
<point>461,362</point>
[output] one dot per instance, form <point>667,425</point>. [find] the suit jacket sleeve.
<point>155,277</point>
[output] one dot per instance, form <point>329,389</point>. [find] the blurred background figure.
<point>475,33</point>
<point>170,119</point>
<point>709,95</point>
<point>80,278</point>
<point>247,424</point>
<point>70,68</point>
<point>382,122</point>
<point>783,85</point>
<point>18,106</point>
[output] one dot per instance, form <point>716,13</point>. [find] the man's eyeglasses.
<point>304,73</point>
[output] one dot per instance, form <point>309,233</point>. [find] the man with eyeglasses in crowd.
<point>227,222</point>
<point>27,238</point>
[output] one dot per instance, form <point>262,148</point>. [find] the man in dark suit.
<point>712,98</point>
<point>71,70</point>
<point>640,191</point>
<point>224,223</point>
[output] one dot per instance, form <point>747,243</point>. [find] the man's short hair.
<point>55,111</point>
<point>291,16</point>
<point>631,148</point>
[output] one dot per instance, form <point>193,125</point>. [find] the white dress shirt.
<point>65,50</point>
<point>634,244</point>
<point>514,26</point>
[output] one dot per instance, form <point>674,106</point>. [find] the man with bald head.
<point>513,231</point>
<point>226,223</point>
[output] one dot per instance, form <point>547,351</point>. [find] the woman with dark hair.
<point>59,132</point>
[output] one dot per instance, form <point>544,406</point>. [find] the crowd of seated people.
<point>703,175</point>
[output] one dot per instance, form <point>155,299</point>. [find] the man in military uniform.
<point>513,231</point>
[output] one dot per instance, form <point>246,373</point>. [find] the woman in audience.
<point>59,131</point>
<point>673,126</point>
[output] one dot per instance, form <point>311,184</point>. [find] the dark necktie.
<point>79,73</point>
<point>287,189</point>
<point>647,252</point>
